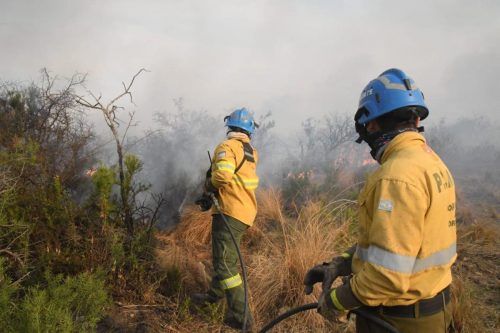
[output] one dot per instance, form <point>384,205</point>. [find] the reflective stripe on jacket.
<point>236,190</point>
<point>407,240</point>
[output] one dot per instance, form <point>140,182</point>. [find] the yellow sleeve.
<point>223,165</point>
<point>394,241</point>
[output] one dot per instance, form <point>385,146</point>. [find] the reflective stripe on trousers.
<point>233,281</point>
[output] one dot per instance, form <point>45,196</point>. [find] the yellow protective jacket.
<point>407,240</point>
<point>236,190</point>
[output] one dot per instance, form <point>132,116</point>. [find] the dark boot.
<point>203,298</point>
<point>238,325</point>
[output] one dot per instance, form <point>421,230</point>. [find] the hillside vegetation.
<point>80,250</point>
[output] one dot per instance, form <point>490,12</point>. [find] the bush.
<point>71,304</point>
<point>59,214</point>
<point>7,292</point>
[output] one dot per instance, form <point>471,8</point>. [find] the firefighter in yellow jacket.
<point>400,269</point>
<point>233,179</point>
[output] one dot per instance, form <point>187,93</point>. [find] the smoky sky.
<point>298,59</point>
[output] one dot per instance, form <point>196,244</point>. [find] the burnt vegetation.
<point>99,235</point>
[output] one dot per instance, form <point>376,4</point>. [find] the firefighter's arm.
<point>395,238</point>
<point>223,166</point>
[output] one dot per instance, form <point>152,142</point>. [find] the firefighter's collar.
<point>400,141</point>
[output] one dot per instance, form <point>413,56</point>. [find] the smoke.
<point>469,146</point>
<point>319,158</point>
<point>299,59</point>
<point>176,154</point>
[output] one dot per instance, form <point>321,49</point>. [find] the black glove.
<point>326,273</point>
<point>205,202</point>
<point>209,187</point>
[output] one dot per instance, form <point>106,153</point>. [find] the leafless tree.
<point>322,139</point>
<point>57,104</point>
<point>337,130</point>
<point>45,113</point>
<point>109,111</point>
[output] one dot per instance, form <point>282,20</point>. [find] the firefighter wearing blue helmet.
<point>241,120</point>
<point>400,268</point>
<point>233,179</point>
<point>392,100</point>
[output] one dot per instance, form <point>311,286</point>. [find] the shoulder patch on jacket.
<point>385,205</point>
<point>221,154</point>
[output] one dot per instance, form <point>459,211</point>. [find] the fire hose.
<point>310,306</point>
<point>291,312</point>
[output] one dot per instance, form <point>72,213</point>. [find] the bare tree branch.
<point>131,117</point>
<point>109,112</point>
<point>15,256</point>
<point>126,89</point>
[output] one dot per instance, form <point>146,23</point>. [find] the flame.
<point>90,172</point>
<point>369,161</point>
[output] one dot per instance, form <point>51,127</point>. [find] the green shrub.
<point>58,215</point>
<point>73,304</point>
<point>103,180</point>
<point>7,291</point>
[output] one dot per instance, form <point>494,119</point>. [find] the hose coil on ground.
<point>310,306</point>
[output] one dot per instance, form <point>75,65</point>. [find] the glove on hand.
<point>326,273</point>
<point>205,202</point>
<point>209,187</point>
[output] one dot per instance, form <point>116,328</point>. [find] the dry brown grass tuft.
<point>270,212</point>
<point>195,227</point>
<point>187,249</point>
<point>278,250</point>
<point>477,278</point>
<point>276,272</point>
<point>467,313</point>
<point>484,235</point>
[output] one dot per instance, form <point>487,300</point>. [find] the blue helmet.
<point>241,118</point>
<point>391,90</point>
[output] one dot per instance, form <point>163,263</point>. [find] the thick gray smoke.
<point>471,149</point>
<point>176,154</point>
<point>321,157</point>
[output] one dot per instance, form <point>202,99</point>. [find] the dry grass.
<point>187,249</point>
<point>476,284</point>
<point>277,272</point>
<point>194,229</point>
<point>278,251</point>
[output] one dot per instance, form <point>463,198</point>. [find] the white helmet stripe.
<point>391,85</point>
